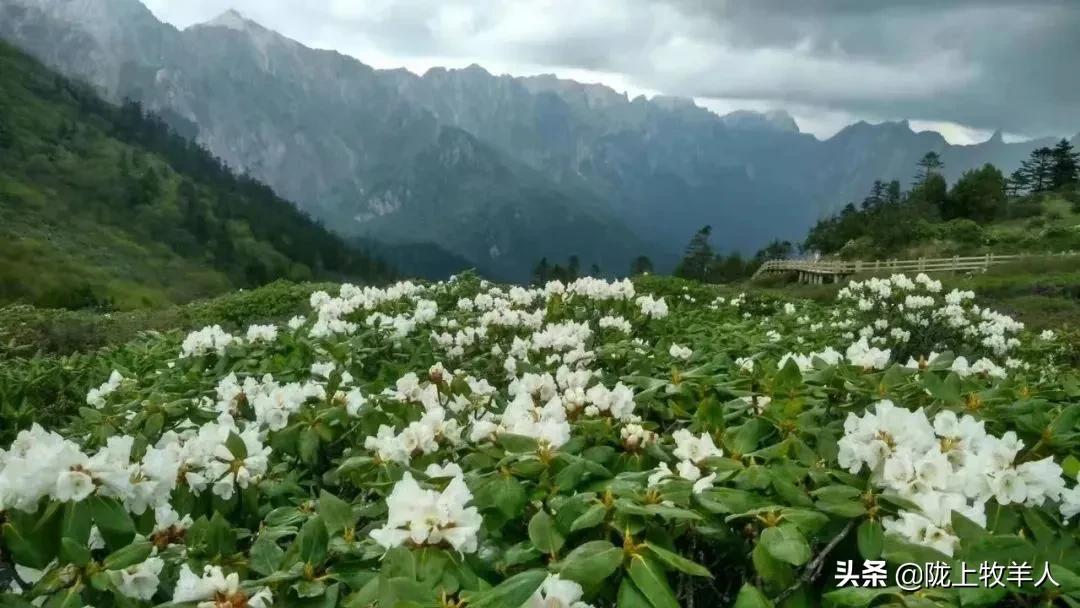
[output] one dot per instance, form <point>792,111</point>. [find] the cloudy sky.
<point>962,67</point>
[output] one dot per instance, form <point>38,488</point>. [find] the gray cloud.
<point>983,64</point>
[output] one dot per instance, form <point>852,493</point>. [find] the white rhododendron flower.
<point>261,333</point>
<point>215,589</point>
<point>140,581</point>
<point>96,396</point>
<point>430,517</point>
<point>556,592</point>
<point>211,339</point>
<point>680,352</point>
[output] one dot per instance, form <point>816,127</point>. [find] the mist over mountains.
<point>494,170</point>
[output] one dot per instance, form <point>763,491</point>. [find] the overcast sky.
<point>962,67</point>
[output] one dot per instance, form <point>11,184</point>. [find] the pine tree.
<point>641,265</point>
<point>1066,165</point>
<point>573,268</point>
<point>1018,183</point>
<point>929,164</point>
<point>542,272</point>
<point>892,193</point>
<point>699,257</point>
<point>1040,169</point>
<point>877,195</point>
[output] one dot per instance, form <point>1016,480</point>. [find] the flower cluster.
<point>430,517</point>
<point>584,438</point>
<point>949,464</point>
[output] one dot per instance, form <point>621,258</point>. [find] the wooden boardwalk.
<point>833,271</point>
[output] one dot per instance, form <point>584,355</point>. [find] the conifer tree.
<point>699,257</point>
<point>1040,169</point>
<point>641,265</point>
<point>929,164</point>
<point>1066,165</point>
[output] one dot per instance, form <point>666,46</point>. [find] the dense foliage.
<point>104,206</point>
<point>606,444</point>
<point>983,212</point>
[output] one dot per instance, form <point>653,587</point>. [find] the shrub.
<point>962,231</point>
<point>649,444</point>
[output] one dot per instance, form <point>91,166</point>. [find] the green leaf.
<point>857,597</point>
<point>10,600</point>
<point>521,553</point>
<point>506,494</point>
<point>237,446</point>
<point>518,443</point>
<point>266,555</point>
<point>355,463</point>
<point>135,553</point>
<point>786,543</point>
<point>284,516</point>
<point>77,522</point>
<point>153,425</point>
<point>544,534</point>
<point>312,588</point>
<point>26,553</point>
<point>631,597</point>
<point>220,538</point>
<point>730,500</point>
<point>839,500</point>
<point>337,513</point>
<point>112,520</point>
<point>678,562</point>
<point>399,562</point>
<point>402,592</point>
<point>511,593</point>
<point>871,539</point>
<point>309,445</point>
<point>593,516</point>
<point>1071,466</point>
<point>313,540</point>
<point>649,577</point>
<point>1001,548</point>
<point>591,562</point>
<point>74,552</point>
<point>751,597</point>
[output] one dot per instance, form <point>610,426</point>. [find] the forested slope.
<point>104,206</point>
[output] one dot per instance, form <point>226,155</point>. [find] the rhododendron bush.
<point>587,444</point>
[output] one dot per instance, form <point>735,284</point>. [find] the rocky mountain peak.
<point>233,20</point>
<point>777,120</point>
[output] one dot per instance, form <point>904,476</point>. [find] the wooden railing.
<point>848,267</point>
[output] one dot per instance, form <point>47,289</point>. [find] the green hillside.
<point>103,206</point>
<point>1034,210</point>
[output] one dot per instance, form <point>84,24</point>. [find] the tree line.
<point>889,215</point>
<point>237,222</point>
<point>893,219</point>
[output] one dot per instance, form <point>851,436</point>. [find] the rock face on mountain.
<point>327,132</point>
<point>496,169</point>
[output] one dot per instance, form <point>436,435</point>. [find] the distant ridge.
<point>498,170</point>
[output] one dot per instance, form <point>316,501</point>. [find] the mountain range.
<point>104,206</point>
<point>492,171</point>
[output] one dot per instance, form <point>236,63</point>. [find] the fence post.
<point>986,261</point>
<point>922,264</point>
<point>955,262</point>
